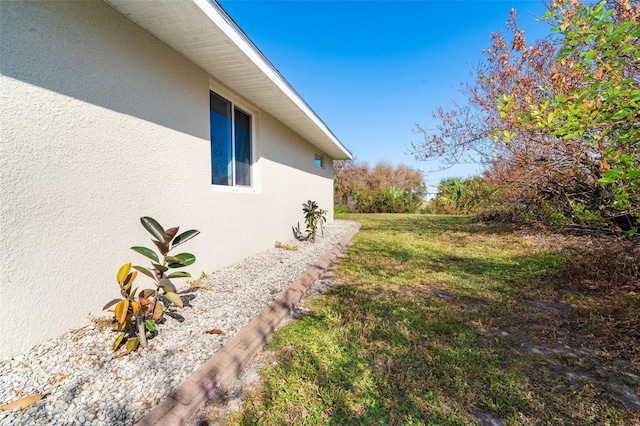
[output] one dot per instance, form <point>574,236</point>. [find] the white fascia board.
<point>217,14</point>
<point>168,20</point>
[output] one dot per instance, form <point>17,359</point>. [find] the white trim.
<point>216,13</point>
<point>236,103</point>
<point>203,32</point>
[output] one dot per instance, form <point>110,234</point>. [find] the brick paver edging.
<point>221,370</point>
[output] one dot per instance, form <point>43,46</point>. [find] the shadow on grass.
<point>427,332</point>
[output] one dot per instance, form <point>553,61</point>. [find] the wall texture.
<point>102,124</point>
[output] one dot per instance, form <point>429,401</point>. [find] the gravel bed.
<point>84,382</point>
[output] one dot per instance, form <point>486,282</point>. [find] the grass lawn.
<point>443,320</point>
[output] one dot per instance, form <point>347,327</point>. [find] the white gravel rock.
<point>85,384</point>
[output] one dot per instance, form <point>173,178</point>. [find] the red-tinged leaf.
<point>118,341</point>
<point>169,234</point>
<point>157,310</point>
<point>185,236</point>
<point>130,278</point>
<point>174,298</point>
<point>144,301</point>
<point>152,227</point>
<point>164,248</point>
<point>121,311</point>
<point>147,293</point>
<point>125,353</point>
<point>110,304</point>
<point>214,331</point>
<point>123,272</point>
<point>145,271</point>
<point>146,252</point>
<point>23,403</point>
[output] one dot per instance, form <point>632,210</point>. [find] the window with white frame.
<point>231,143</point>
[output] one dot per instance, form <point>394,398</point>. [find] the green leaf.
<point>145,271</point>
<point>146,252</point>
<point>160,268</point>
<point>606,180</point>
<point>179,274</point>
<point>184,237</point>
<point>181,260</point>
<point>133,343</point>
<point>153,227</point>
<point>590,55</point>
<point>169,234</point>
<point>175,299</point>
<point>150,325</point>
<point>168,286</point>
<point>624,26</point>
<point>633,232</point>
<point>620,114</point>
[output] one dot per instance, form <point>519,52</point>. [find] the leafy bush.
<point>137,312</point>
<point>314,216</point>
<point>381,189</point>
<point>556,121</point>
<point>463,196</point>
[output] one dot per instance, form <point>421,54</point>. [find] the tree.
<point>556,122</point>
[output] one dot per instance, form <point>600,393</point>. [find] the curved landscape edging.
<point>224,367</point>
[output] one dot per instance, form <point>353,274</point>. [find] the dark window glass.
<point>243,148</point>
<point>221,168</point>
<point>231,143</point>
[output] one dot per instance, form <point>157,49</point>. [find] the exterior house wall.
<point>101,124</point>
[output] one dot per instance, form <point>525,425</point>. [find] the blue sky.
<point>372,70</point>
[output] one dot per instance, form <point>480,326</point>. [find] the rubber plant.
<point>313,216</point>
<point>137,313</point>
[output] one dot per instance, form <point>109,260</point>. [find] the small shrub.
<point>137,312</point>
<point>286,246</point>
<point>313,217</point>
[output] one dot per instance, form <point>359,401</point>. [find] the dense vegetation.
<point>556,122</point>
<point>358,188</point>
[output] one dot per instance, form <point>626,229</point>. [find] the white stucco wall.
<point>101,124</point>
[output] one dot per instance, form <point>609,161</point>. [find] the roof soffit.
<point>202,32</point>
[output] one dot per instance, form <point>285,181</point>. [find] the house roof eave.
<point>205,34</point>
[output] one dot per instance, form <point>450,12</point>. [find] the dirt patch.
<point>215,411</point>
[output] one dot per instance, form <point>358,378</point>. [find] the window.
<point>231,143</point>
<point>319,162</point>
